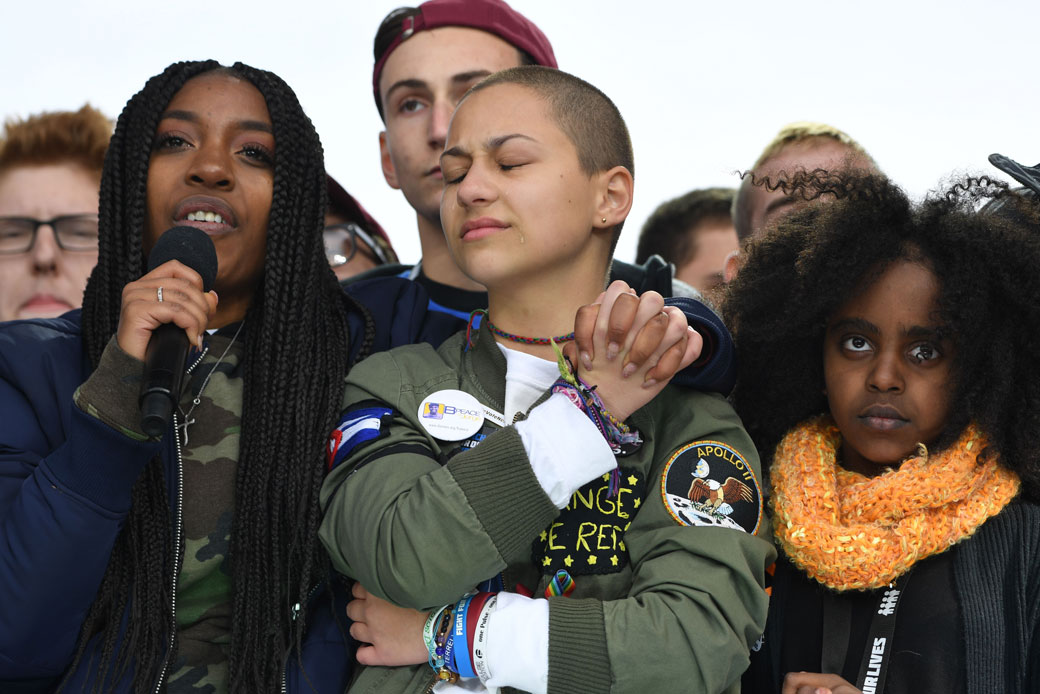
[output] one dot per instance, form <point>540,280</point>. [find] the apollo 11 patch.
<point>710,483</point>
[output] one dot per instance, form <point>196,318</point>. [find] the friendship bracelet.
<point>622,439</point>
<point>585,397</point>
<point>616,432</point>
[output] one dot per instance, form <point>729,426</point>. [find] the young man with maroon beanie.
<point>426,57</point>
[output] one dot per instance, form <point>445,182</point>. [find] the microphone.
<point>167,349</point>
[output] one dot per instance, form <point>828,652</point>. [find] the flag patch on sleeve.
<point>356,428</point>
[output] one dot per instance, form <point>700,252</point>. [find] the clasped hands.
<point>629,347</point>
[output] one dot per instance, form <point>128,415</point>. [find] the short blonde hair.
<point>791,134</point>
<point>802,130</point>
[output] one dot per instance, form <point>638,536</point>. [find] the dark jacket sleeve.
<point>397,315</point>
<point>65,483</point>
<point>716,369</point>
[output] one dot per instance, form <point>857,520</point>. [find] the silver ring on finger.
<point>159,293</point>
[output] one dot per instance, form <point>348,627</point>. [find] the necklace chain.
<point>198,396</point>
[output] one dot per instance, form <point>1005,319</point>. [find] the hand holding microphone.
<point>181,269</point>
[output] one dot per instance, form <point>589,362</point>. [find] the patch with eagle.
<point>710,483</point>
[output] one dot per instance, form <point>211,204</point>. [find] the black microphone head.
<point>191,247</point>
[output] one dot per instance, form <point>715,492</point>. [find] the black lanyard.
<point>837,627</point>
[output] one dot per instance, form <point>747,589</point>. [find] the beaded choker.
<point>530,340</point>
<point>517,338</point>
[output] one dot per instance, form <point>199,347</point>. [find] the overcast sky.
<point>929,88</point>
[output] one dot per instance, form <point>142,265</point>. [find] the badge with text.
<point>588,535</point>
<point>451,415</point>
<point>710,483</point>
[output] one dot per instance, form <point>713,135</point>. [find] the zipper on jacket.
<point>176,554</point>
<point>177,529</point>
<point>296,610</point>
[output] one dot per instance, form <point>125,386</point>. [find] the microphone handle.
<point>163,377</point>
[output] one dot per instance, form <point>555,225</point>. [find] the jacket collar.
<point>485,366</point>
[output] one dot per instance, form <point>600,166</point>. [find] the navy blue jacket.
<point>66,480</point>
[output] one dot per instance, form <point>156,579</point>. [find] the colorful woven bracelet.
<point>620,436</point>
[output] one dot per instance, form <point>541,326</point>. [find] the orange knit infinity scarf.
<point>848,531</point>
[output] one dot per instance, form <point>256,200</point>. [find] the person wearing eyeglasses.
<point>354,241</point>
<point>50,172</point>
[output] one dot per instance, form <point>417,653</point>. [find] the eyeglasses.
<point>342,240</point>
<point>73,232</point>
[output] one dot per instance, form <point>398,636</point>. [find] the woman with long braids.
<point>188,562</point>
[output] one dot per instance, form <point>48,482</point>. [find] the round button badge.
<point>451,415</point>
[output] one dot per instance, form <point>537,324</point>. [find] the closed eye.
<point>453,177</point>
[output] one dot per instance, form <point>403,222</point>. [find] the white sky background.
<point>929,88</point>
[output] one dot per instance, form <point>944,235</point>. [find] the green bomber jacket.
<point>668,572</point>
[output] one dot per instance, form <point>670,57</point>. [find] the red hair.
<point>58,136</point>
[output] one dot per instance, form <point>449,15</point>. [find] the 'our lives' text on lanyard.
<point>837,625</point>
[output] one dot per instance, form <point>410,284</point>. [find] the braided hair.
<point>298,316</point>
<point>814,260</point>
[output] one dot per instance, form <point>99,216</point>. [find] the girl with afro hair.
<point>890,368</point>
